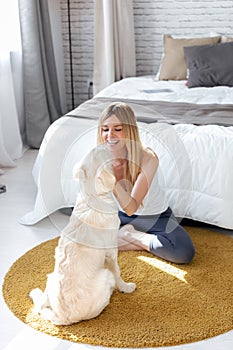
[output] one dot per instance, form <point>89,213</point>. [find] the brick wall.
<point>152,19</point>
<point>82,36</point>
<point>181,18</point>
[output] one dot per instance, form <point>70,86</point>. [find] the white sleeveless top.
<point>155,201</point>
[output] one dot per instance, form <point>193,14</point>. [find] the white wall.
<point>153,18</point>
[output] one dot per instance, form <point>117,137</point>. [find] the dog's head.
<point>95,172</point>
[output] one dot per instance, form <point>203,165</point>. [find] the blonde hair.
<point>126,116</point>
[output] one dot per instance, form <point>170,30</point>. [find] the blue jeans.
<point>176,244</point>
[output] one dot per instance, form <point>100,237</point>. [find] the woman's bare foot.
<point>126,239</point>
<point>137,238</point>
<point>125,246</point>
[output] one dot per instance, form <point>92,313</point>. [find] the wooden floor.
<point>16,239</point>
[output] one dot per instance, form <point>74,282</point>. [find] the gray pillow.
<point>210,65</point>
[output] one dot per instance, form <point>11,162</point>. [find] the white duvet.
<point>196,162</point>
<point>147,88</point>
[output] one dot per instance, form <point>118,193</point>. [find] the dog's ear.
<point>104,180</point>
<point>79,173</point>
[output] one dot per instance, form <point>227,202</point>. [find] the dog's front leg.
<point>112,265</point>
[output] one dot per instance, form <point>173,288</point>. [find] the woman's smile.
<point>112,142</point>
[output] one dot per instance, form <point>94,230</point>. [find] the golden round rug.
<point>173,304</point>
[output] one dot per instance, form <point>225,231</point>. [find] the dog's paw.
<point>127,287</point>
<point>36,294</point>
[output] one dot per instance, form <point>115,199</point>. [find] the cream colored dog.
<point>86,267</point>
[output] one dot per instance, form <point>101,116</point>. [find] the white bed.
<point>196,159</point>
<point>151,89</point>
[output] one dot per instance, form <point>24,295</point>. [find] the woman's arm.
<point>130,200</point>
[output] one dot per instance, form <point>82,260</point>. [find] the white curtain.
<point>114,42</point>
<point>11,97</point>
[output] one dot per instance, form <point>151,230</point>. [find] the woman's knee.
<point>185,247</point>
<point>180,250</point>
<point>187,255</point>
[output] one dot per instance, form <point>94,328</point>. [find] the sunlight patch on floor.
<point>165,267</point>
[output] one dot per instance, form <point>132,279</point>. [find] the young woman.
<point>146,219</point>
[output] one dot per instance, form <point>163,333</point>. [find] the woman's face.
<point>113,134</point>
